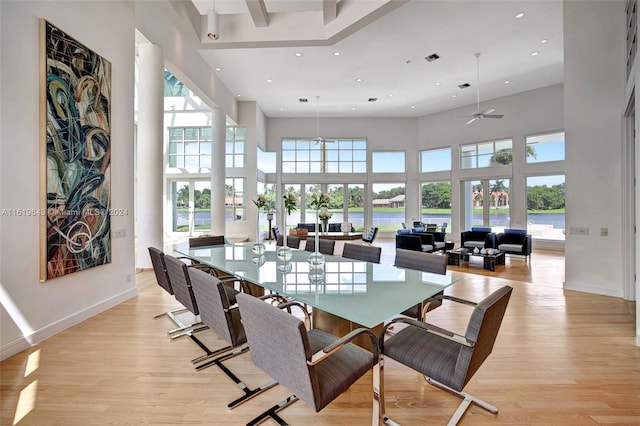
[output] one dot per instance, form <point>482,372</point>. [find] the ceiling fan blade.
<point>477,117</point>
<point>492,115</point>
<point>487,111</point>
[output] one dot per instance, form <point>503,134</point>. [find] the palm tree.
<point>505,156</point>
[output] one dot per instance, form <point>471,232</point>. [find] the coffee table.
<point>458,256</point>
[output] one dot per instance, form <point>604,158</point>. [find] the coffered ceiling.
<point>367,58</point>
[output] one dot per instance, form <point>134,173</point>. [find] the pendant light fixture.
<point>213,23</point>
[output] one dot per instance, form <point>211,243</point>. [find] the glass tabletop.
<point>363,292</point>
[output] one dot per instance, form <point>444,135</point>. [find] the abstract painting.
<point>75,162</point>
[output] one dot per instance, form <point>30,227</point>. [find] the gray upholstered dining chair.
<point>362,252</point>
<point>314,365</point>
<point>324,246</point>
<point>183,290</point>
<point>162,278</point>
<point>293,241</point>
<point>219,315</point>
<point>426,262</point>
<point>448,360</point>
<point>207,241</point>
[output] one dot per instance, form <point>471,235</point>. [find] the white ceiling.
<point>387,53</point>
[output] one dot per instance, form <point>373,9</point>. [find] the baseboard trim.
<point>25,342</point>
<point>592,289</point>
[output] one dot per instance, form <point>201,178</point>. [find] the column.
<point>219,126</point>
<point>149,169</point>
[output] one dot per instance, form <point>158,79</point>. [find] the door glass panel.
<point>388,205</point>
<point>202,202</point>
<point>180,206</point>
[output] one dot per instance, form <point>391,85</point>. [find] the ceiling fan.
<point>487,113</point>
<point>319,139</point>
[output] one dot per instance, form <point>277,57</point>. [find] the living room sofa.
<point>515,241</point>
<point>478,237</point>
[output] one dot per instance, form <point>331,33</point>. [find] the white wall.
<point>43,309</point>
<point>594,40</point>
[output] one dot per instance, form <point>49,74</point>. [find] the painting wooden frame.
<point>75,155</point>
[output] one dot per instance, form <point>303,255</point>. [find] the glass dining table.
<point>347,294</point>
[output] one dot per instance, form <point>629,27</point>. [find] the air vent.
<point>303,100</point>
<point>464,86</point>
<point>373,99</point>
<point>432,57</point>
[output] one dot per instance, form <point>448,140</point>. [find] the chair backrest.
<point>324,246</point>
<point>213,305</point>
<point>408,242</point>
<point>362,252</point>
<point>293,241</point>
<point>179,278</point>
<point>157,260</point>
<point>417,224</point>
<point>443,228</point>
<point>426,262</point>
<point>209,240</point>
<point>276,232</point>
<point>370,236</point>
<point>483,328</point>
<point>280,347</point>
<point>431,227</point>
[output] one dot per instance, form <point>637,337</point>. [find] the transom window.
<point>388,162</point>
<point>235,147</point>
<point>308,156</point>
<point>547,147</point>
<point>486,154</point>
<point>435,160</point>
<point>190,147</point>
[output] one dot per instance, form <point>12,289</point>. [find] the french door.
<point>485,203</point>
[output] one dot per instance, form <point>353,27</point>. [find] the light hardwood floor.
<point>561,358</point>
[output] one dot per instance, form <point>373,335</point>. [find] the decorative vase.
<point>284,253</point>
<point>325,226</point>
<point>316,259</point>
<point>258,246</point>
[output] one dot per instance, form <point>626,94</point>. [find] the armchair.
<point>448,360</point>
<point>419,241</point>
<point>314,365</point>
<point>515,241</point>
<point>370,235</point>
<point>478,238</point>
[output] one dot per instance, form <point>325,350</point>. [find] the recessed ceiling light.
<point>534,53</point>
<point>239,95</point>
<point>413,107</point>
<point>269,81</point>
<point>281,108</point>
<point>454,96</point>
<point>336,53</point>
<point>519,15</point>
<point>218,69</point>
<point>353,108</point>
<point>359,80</point>
<point>298,54</point>
<point>507,82</point>
<point>390,95</point>
<point>544,40</point>
<point>438,83</point>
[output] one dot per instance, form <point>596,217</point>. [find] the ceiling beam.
<point>329,10</point>
<point>258,12</point>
